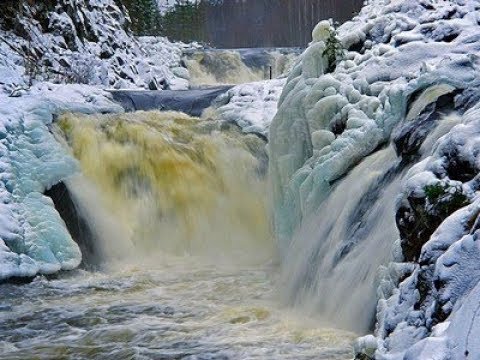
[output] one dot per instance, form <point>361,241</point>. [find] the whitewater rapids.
<point>165,183</point>
<point>183,311</point>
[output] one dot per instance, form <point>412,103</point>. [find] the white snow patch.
<point>251,106</point>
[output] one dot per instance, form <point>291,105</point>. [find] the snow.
<point>91,47</point>
<point>34,238</point>
<point>251,106</point>
<point>166,5</point>
<point>448,261</point>
<point>367,93</point>
<point>456,338</point>
<point>94,48</point>
<point>401,57</point>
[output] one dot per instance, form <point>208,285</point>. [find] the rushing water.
<point>333,262</point>
<point>238,66</point>
<point>184,310</point>
<point>327,272</point>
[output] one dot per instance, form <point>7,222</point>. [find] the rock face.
<point>407,75</point>
<point>84,41</point>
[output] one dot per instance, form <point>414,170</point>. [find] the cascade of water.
<point>333,259</point>
<point>220,67</point>
<point>238,66</point>
<point>164,183</point>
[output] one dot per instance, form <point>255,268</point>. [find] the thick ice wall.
<point>33,237</point>
<point>328,120</point>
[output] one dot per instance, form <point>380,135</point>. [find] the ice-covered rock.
<point>251,106</point>
<point>365,96</point>
<point>438,222</point>
<point>33,237</point>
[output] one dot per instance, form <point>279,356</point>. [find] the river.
<point>182,310</point>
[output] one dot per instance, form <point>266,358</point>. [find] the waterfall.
<point>331,266</point>
<point>156,183</point>
<point>238,66</point>
<point>220,67</point>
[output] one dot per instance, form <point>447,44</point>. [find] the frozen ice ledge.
<point>33,237</point>
<point>401,57</point>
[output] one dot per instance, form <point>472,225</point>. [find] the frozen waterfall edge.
<point>329,121</point>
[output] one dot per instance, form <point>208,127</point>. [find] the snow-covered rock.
<point>438,219</point>
<point>83,41</point>
<point>166,5</point>
<point>251,106</point>
<point>365,96</point>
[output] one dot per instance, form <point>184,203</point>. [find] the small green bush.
<point>445,200</point>
<point>434,192</point>
<point>334,51</point>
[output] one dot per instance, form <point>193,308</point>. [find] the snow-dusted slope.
<point>83,41</point>
<point>403,55</point>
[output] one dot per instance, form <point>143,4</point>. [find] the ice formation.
<point>33,236</point>
<point>401,104</point>
<point>404,63</point>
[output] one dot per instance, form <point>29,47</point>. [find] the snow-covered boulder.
<point>251,106</point>
<point>438,219</point>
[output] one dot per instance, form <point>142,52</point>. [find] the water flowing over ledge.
<point>374,182</point>
<point>167,183</point>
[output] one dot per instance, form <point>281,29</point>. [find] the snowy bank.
<point>251,106</point>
